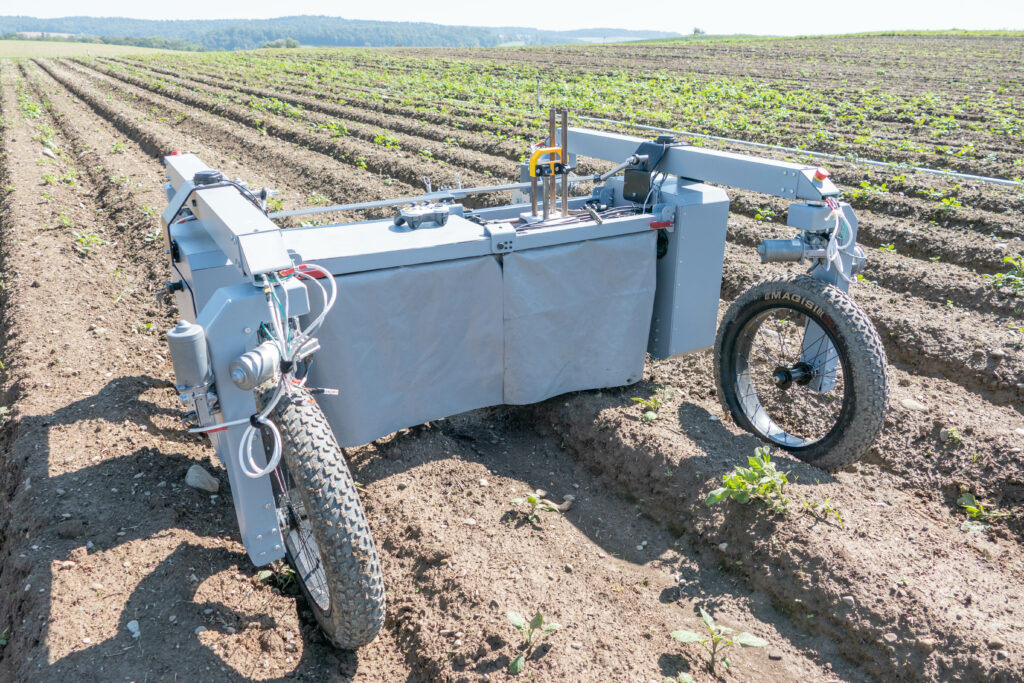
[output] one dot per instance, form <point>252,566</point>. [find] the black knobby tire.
<point>347,595</point>
<point>861,394</point>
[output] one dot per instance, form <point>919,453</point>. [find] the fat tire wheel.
<point>861,359</point>
<point>316,470</point>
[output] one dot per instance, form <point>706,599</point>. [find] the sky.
<point>721,16</point>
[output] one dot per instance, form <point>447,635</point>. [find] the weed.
<point>976,510</point>
<point>650,406</point>
<point>386,140</point>
<point>536,504</point>
<point>533,631</point>
<point>949,205</point>
<point>1017,334</point>
<point>117,147</point>
<point>1012,279</point>
<point>280,575</point>
<point>335,128</point>
<point>823,510</point>
<point>87,243</point>
<point>761,481</point>
<point>717,639</point>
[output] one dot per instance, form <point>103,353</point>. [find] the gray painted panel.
<point>577,316</point>
<point>408,345</point>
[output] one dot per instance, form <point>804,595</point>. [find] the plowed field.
<point>98,529</point>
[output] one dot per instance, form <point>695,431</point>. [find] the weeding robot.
<point>444,308</point>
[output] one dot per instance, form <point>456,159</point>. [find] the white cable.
<point>246,461</point>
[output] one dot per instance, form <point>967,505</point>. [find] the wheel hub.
<point>785,375</point>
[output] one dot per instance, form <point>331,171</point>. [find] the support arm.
<point>778,178</point>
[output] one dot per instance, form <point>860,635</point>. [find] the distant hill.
<point>243,34</point>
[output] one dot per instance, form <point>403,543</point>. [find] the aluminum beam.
<point>778,178</point>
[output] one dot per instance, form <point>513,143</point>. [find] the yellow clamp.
<point>541,152</point>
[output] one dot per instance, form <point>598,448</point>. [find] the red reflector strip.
<point>661,224</point>
<point>308,272</point>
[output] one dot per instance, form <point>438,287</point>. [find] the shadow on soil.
<point>176,578</point>
<point>169,588</point>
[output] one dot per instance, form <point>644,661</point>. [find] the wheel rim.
<point>301,543</point>
<point>790,397</point>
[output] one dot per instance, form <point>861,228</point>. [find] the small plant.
<point>386,140</point>
<point>823,510</point>
<point>64,220</point>
<point>3,637</point>
<point>1012,279</point>
<point>949,205</point>
<point>361,162</point>
<point>536,504</point>
<point>761,481</point>
<point>117,147</point>
<point>976,510</point>
<point>317,199</point>
<point>717,639</point>
<point>764,215</point>
<point>650,406</point>
<point>151,236</point>
<point>5,415</point>
<point>533,631</point>
<point>280,575</point>
<point>87,243</point>
<point>888,247</point>
<point>274,204</point>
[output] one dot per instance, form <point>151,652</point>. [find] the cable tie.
<point>254,420</point>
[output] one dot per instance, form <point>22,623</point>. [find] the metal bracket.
<point>503,237</point>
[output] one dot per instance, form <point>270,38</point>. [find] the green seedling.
<point>1012,279</point>
<point>717,639</point>
<point>761,481</point>
<point>765,215</point>
<point>280,575</point>
<point>386,140</point>
<point>888,247</point>
<point>533,632</point>
<point>536,505</point>
<point>5,415</point>
<point>650,406</point>
<point>976,510</point>
<point>117,147</point>
<point>3,637</point>
<point>87,243</point>
<point>823,510</point>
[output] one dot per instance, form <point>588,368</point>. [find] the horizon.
<point>740,17</point>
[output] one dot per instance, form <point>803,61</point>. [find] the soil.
<point>98,529</point>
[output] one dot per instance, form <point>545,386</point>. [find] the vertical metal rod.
<point>551,143</point>
<point>565,162</point>
<point>533,196</point>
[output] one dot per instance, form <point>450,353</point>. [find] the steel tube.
<point>565,162</point>
<point>381,203</point>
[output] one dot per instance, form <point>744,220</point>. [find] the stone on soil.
<point>199,478</point>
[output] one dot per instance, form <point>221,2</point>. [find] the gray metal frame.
<point>222,242</point>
